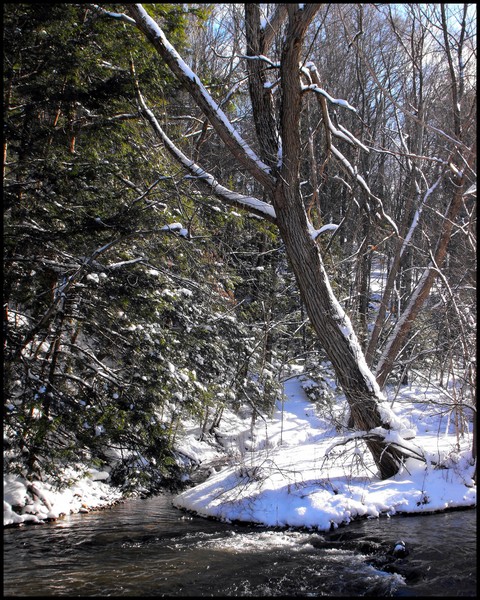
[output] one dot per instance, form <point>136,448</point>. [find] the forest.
<point>198,199</point>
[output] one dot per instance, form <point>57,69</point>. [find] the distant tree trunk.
<point>389,284</point>
<point>422,290</point>
<point>362,282</point>
<point>463,153</point>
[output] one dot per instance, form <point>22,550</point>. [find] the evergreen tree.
<point>118,322</point>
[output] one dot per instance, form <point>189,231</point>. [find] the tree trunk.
<point>327,317</point>
<point>260,95</point>
<point>333,327</point>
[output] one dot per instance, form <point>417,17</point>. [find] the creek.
<point>147,547</point>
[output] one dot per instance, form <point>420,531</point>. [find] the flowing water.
<point>149,548</point>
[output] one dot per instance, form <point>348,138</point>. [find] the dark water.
<point>149,548</point>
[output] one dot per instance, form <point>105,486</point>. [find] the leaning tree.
<point>275,170</point>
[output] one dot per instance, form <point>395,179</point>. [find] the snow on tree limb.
<point>361,181</point>
<point>220,122</point>
<point>394,438</point>
<point>314,88</point>
<point>315,233</point>
<point>113,15</point>
<point>417,214</point>
<point>254,205</point>
<point>311,73</point>
<point>260,57</point>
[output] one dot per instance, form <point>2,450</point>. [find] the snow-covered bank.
<point>38,501</point>
<point>287,471</point>
<point>298,477</point>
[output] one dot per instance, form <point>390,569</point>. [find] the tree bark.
<point>261,96</point>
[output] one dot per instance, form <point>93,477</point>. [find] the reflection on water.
<point>149,548</point>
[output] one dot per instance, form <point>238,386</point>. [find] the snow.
<point>289,479</point>
<point>93,277</point>
<point>175,227</point>
<point>293,468</point>
<point>39,501</point>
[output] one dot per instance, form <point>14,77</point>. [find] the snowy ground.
<point>287,471</point>
<point>298,477</point>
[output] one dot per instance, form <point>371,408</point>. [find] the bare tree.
<point>458,170</point>
<point>275,169</point>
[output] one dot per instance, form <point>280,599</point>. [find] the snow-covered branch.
<point>311,73</point>
<point>314,88</point>
<point>220,122</point>
<point>417,214</point>
<point>113,15</point>
<point>262,58</point>
<point>363,184</point>
<point>254,205</point>
<point>391,437</point>
<point>315,233</point>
